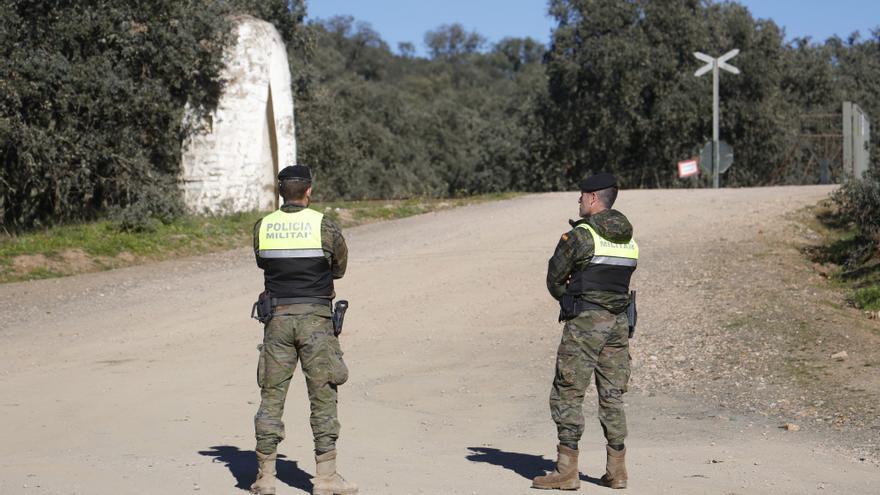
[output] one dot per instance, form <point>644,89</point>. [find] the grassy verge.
<point>71,249</point>
<point>845,257</point>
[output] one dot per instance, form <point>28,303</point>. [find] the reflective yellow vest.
<point>611,267</point>
<point>291,235</point>
<point>610,253</point>
<point>291,255</point>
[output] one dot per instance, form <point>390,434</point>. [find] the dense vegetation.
<point>623,96</point>
<point>376,124</point>
<point>850,227</point>
<point>92,95</point>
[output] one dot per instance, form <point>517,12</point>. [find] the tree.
<point>406,49</point>
<point>452,41</point>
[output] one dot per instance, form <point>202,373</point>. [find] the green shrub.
<point>157,203</point>
<point>867,298</point>
<point>859,202</point>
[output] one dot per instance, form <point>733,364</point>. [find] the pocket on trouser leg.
<point>569,373</point>
<point>322,356</point>
<point>619,370</point>
<point>567,396</point>
<point>261,367</point>
<point>338,369</point>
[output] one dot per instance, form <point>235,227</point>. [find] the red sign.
<point>688,168</point>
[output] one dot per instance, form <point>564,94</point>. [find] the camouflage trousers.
<point>597,340</point>
<point>301,332</point>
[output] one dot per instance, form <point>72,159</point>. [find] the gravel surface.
<point>747,323</point>
<point>141,380</point>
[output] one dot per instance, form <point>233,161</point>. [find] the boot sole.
<point>619,485</point>
<point>558,487</point>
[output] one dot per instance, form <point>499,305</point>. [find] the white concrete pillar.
<point>231,165</point>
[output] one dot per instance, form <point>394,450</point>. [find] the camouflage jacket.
<point>332,242</point>
<point>575,249</point>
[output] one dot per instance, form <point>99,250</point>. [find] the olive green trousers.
<point>597,341</point>
<point>304,333</point>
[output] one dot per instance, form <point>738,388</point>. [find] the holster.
<point>632,314</point>
<point>339,316</point>
<point>262,310</point>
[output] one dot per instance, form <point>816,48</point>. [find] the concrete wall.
<point>231,165</point>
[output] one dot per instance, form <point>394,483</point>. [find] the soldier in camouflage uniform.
<point>301,252</point>
<point>590,273</point>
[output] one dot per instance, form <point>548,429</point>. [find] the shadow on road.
<point>243,466</point>
<point>526,465</point>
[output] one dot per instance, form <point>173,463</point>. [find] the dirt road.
<point>142,380</point>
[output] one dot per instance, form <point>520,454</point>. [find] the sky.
<point>408,20</point>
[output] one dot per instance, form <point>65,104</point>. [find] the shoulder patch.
<point>565,236</point>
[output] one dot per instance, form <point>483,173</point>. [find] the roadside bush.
<point>859,202</point>
<point>155,204</point>
<point>867,298</point>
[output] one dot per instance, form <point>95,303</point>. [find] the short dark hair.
<point>293,190</point>
<point>607,196</point>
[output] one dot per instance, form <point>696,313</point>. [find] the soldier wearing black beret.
<point>297,173</point>
<point>589,274</point>
<point>301,252</point>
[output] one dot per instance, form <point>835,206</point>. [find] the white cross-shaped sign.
<point>721,61</point>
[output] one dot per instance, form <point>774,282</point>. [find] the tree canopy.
<point>93,94</point>
<point>376,124</point>
<point>623,96</point>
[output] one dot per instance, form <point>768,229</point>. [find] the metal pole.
<point>716,159</point>
<point>714,64</point>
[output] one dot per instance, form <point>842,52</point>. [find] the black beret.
<point>602,180</point>
<point>295,172</point>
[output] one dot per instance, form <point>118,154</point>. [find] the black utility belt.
<point>283,301</point>
<point>580,306</point>
<point>264,308</point>
<point>571,306</point>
